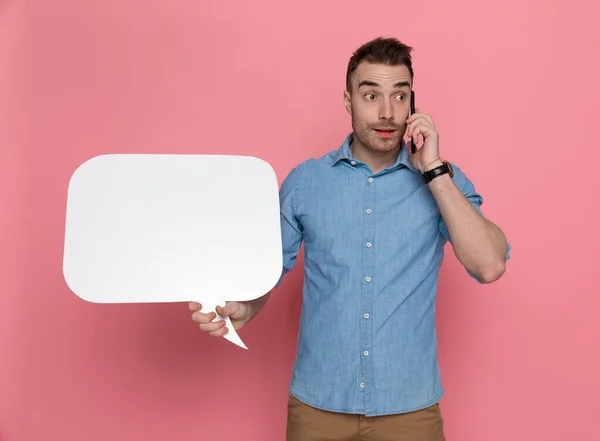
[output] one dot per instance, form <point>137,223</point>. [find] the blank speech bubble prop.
<point>173,228</point>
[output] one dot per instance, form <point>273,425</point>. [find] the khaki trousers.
<point>305,423</point>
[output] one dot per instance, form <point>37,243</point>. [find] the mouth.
<point>385,132</point>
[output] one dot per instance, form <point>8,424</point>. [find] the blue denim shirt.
<point>373,246</point>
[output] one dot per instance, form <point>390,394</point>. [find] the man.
<point>374,218</point>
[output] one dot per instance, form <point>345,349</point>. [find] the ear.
<point>348,101</point>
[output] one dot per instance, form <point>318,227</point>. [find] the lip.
<point>384,132</point>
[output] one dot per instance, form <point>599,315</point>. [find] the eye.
<point>401,97</point>
<point>370,96</point>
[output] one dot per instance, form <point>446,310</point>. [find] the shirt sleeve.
<point>476,200</point>
<point>291,228</point>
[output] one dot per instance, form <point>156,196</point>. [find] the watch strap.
<point>440,170</point>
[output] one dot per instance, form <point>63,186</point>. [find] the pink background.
<point>514,93</point>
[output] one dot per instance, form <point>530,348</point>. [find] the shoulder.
<point>304,179</point>
<point>313,166</point>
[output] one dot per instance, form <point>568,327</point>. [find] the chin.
<point>384,145</point>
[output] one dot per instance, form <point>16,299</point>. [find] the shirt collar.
<point>344,153</point>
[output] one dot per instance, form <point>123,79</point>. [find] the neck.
<point>376,161</point>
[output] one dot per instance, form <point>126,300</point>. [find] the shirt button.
<point>366,353</point>
<point>368,211</point>
<point>370,179</point>
<point>368,244</point>
<point>368,279</point>
<point>353,163</point>
<point>366,315</point>
<point>362,384</point>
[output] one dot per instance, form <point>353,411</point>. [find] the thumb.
<point>223,311</point>
<point>230,309</point>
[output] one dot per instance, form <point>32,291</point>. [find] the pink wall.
<point>514,93</point>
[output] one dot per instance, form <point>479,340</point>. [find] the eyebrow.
<point>373,84</point>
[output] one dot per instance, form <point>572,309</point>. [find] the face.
<point>379,105</point>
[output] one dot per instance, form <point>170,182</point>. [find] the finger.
<point>413,125</point>
<point>212,326</point>
<point>414,116</point>
<point>201,317</point>
<point>417,116</point>
<point>428,119</point>
<point>220,332</point>
<point>230,309</point>
<point>222,311</point>
<point>422,130</point>
<point>411,142</point>
<point>194,306</point>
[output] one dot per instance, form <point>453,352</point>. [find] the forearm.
<point>478,244</point>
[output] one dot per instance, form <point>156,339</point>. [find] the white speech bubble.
<point>173,228</point>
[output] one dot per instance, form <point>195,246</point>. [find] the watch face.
<point>450,169</point>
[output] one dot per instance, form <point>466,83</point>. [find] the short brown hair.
<point>381,50</point>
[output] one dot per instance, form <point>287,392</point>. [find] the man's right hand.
<point>238,312</point>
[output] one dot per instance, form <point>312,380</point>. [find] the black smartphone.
<point>412,112</point>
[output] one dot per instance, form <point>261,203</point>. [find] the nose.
<point>386,110</point>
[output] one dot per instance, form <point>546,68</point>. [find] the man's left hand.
<point>428,156</point>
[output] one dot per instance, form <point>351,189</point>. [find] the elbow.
<point>492,271</point>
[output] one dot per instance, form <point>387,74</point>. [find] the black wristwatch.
<point>430,175</point>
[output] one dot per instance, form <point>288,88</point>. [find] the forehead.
<point>382,74</point>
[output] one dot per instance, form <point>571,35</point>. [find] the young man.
<point>374,218</point>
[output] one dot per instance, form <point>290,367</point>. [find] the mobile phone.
<point>412,112</point>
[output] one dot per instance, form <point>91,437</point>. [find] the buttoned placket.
<point>367,294</point>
